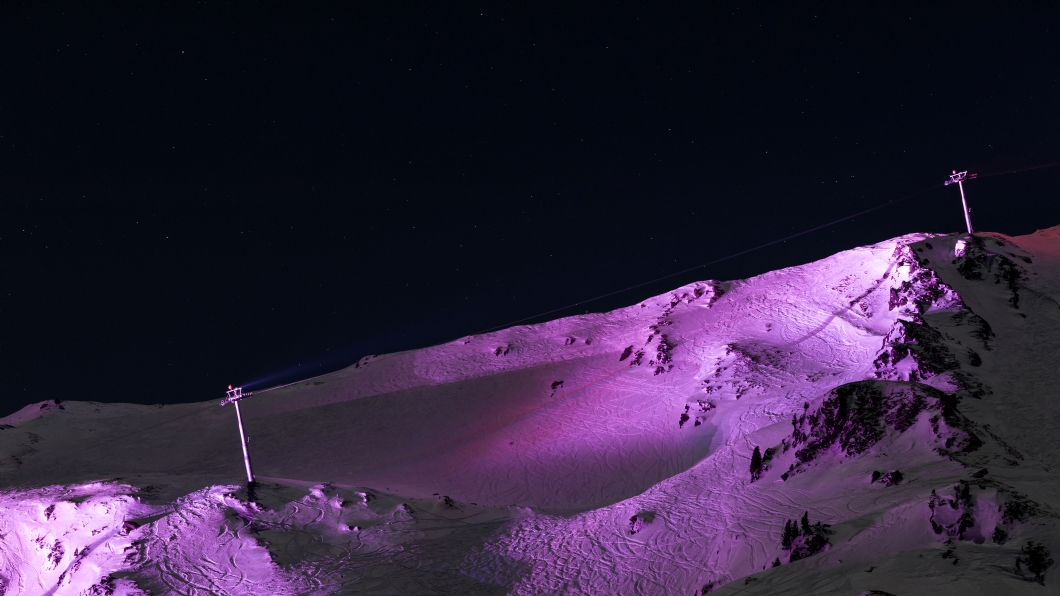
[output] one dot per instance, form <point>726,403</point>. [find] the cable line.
<point>725,258</point>
<point>628,288</point>
<point>1048,165</point>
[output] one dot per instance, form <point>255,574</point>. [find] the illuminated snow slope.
<point>903,399</point>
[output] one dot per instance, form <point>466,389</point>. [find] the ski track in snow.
<point>605,453</point>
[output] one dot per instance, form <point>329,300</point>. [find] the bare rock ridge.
<point>881,421</point>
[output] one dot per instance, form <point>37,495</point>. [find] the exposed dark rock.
<point>889,479</point>
<point>638,521</point>
<point>977,261</point>
<point>952,516</point>
<point>855,416</point>
<point>1036,558</point>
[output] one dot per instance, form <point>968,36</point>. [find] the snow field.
<point>610,453</point>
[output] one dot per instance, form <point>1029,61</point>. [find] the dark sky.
<point>252,193</point>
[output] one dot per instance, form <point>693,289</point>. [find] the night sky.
<point>257,193</point>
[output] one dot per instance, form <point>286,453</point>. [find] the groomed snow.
<point>605,453</point>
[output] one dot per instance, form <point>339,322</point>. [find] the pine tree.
<point>776,562</point>
<point>785,540</point>
<point>806,531</point>
<point>756,464</point>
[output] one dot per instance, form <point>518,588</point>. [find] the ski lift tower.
<point>958,178</point>
<point>232,397</point>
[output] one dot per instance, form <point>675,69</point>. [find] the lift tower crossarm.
<point>232,397</point>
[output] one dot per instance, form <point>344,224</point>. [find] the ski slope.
<point>904,400</point>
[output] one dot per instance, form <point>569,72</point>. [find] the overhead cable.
<point>715,261</point>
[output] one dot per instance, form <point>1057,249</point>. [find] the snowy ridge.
<point>900,400</point>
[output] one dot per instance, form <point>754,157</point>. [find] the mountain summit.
<point>878,422</point>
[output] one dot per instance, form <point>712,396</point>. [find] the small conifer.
<point>756,464</point>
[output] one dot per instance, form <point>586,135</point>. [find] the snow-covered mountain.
<point>883,421</point>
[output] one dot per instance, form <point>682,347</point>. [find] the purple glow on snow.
<point>605,453</point>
